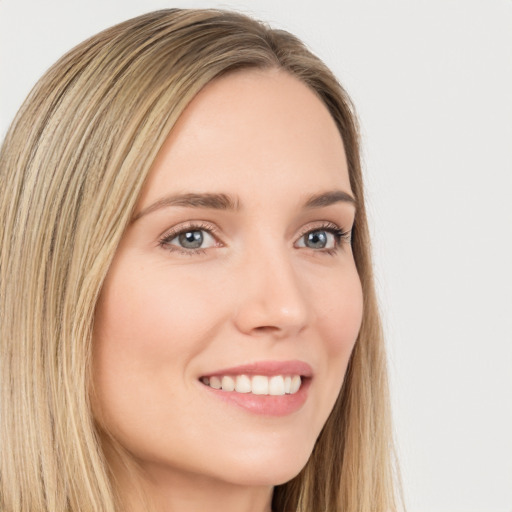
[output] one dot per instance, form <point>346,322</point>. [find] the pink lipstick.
<point>273,388</point>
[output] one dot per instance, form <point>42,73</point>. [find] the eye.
<point>193,239</point>
<point>327,239</point>
<point>318,239</point>
<point>190,240</point>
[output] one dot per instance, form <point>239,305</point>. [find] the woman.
<point>188,319</point>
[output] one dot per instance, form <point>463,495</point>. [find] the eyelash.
<point>339,234</point>
<point>165,241</point>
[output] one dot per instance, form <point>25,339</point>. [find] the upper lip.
<point>268,368</point>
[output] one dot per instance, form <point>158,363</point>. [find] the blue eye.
<point>189,240</point>
<point>326,239</point>
<point>318,239</point>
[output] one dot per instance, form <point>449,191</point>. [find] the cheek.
<point>339,316</point>
<point>153,313</point>
<point>340,312</point>
<point>148,327</point>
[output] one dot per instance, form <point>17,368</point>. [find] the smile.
<point>268,388</point>
<point>276,385</point>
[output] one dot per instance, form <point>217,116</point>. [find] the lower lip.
<point>264,405</point>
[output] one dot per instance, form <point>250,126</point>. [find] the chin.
<point>279,475</point>
<point>267,468</point>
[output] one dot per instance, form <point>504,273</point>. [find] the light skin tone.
<point>255,172</point>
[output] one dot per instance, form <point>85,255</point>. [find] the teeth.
<point>295,385</point>
<point>276,385</point>
<point>228,383</point>
<point>215,383</point>
<point>258,384</point>
<point>243,384</point>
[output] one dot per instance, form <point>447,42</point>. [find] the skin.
<point>254,292</point>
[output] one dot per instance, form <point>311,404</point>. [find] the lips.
<point>272,388</point>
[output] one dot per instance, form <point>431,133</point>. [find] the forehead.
<point>247,130</point>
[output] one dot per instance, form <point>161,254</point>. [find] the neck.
<point>184,493</point>
<point>161,489</point>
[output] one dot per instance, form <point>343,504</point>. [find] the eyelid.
<point>342,235</point>
<point>319,225</point>
<point>191,225</point>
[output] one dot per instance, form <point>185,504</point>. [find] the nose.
<point>271,298</point>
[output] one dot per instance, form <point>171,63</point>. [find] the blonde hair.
<point>71,169</point>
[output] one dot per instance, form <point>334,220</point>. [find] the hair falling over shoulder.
<point>71,169</point>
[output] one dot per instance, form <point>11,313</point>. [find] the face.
<point>235,272</point>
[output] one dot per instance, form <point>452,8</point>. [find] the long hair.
<point>71,170</point>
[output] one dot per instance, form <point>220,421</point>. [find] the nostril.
<point>266,329</point>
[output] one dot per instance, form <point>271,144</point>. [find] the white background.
<point>432,81</point>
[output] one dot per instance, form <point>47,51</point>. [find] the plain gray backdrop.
<point>432,81</point>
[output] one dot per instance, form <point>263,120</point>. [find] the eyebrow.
<point>328,198</point>
<point>226,202</point>
<point>209,201</point>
